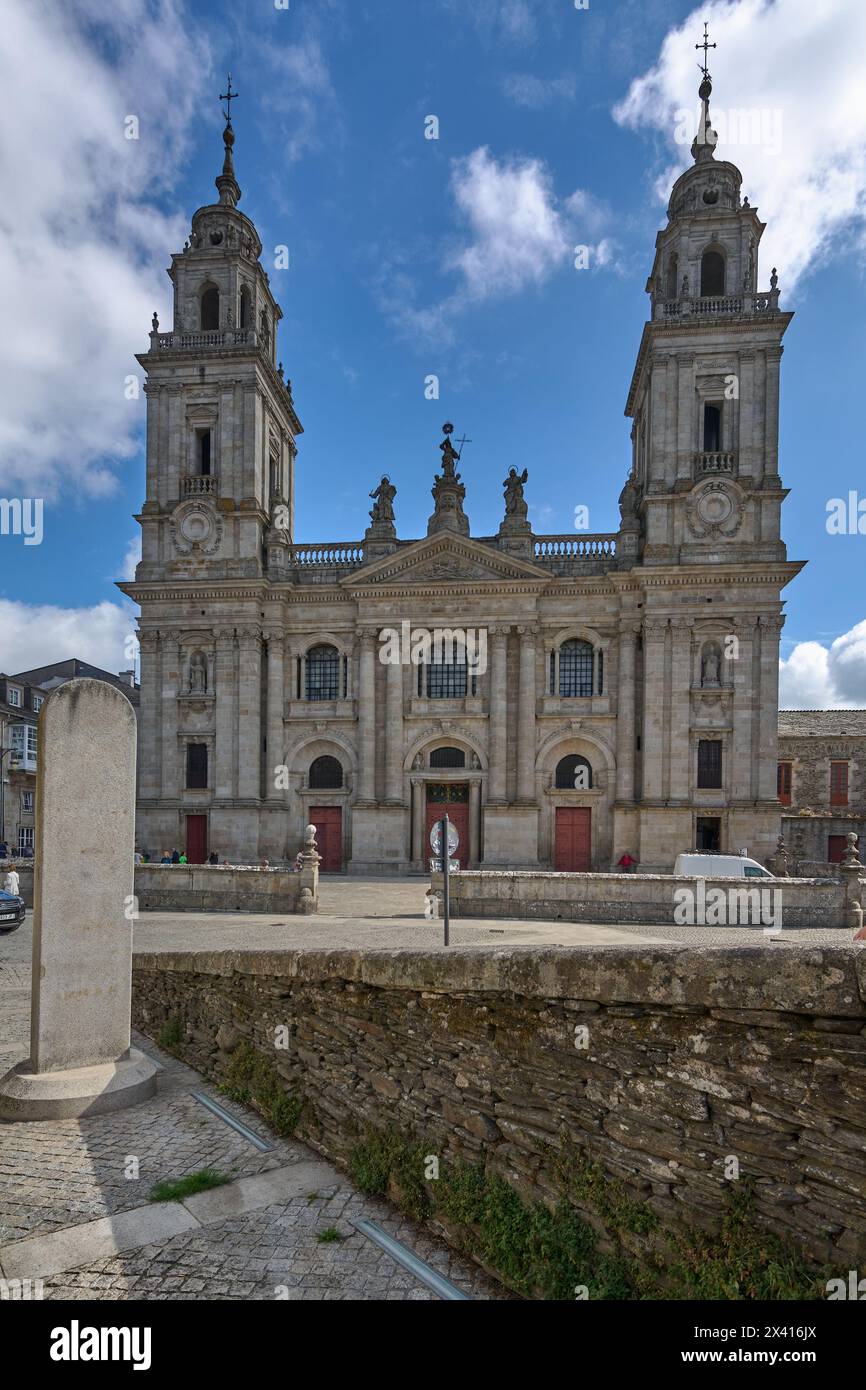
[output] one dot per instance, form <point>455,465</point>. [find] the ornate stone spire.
<point>704,143</point>
<point>227,184</point>
<point>448,492</point>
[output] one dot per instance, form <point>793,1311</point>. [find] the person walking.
<point>181,859</point>
<point>11,884</point>
<point>626,863</point>
<point>175,857</point>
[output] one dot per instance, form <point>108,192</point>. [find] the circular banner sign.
<point>436,838</point>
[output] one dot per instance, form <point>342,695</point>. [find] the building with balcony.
<point>627,698</point>
<point>821,781</point>
<point>20,703</point>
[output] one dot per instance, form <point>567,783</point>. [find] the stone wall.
<point>620,897</point>
<point>689,1058</point>
<point>202,888</point>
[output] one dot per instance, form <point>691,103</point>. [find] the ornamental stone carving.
<point>196,528</point>
<point>715,510</point>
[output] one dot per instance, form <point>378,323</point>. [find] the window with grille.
<point>783,783</point>
<point>325,773</point>
<point>445,680</point>
<point>196,765</point>
<point>447,757</point>
<point>324,673</point>
<point>710,762</point>
<point>838,784</point>
<point>575,669</point>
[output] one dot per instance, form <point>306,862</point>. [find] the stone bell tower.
<point>216,538</point>
<point>221,424</point>
<point>703,505</point>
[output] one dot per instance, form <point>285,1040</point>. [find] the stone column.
<point>474,821</point>
<point>249,713</point>
<point>394,732</point>
<point>526,716</point>
<point>625,714</point>
<point>80,1059</point>
<point>652,742</point>
<point>149,779</point>
<point>498,713</point>
<point>679,781</point>
<point>744,735</point>
<point>367,716</point>
<point>768,744</point>
<point>771,446</point>
<point>170,682</point>
<point>685,416</point>
<point>224,785</point>
<point>417,820</point>
<point>276,698</point>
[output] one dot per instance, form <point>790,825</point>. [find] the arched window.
<point>324,673</point>
<point>672,289</point>
<point>575,668</point>
<point>326,773</point>
<point>712,273</point>
<point>246,307</point>
<point>574,773</point>
<point>210,309</point>
<point>447,757</point>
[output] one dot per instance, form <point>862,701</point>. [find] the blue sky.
<point>411,257</point>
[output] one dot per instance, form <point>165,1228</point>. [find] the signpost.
<point>444,840</point>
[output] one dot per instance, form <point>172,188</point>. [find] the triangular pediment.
<point>446,559</point>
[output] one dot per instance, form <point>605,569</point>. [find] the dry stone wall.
<point>660,1064</point>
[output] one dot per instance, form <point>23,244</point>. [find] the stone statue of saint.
<point>515,504</point>
<point>628,500</point>
<point>383,497</point>
<point>711,667</point>
<point>197,674</point>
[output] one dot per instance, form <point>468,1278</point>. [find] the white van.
<point>719,866</point>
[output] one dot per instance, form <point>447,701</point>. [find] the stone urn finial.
<point>851,858</point>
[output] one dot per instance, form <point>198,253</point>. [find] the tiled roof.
<point>822,723</point>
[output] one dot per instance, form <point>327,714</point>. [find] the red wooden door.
<point>196,839</point>
<point>328,821</point>
<point>458,814</point>
<point>573,839</point>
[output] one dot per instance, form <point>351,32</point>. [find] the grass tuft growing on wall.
<point>251,1079</point>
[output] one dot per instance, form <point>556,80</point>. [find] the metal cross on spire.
<point>705,45</point>
<point>229,96</point>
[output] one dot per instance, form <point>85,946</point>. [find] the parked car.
<point>719,866</point>
<point>11,912</point>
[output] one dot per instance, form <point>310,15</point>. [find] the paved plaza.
<point>71,1214</point>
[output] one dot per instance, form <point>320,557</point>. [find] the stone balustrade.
<point>718,305</point>
<point>202,341</point>
<point>575,547</point>
<point>201,485</point>
<point>318,553</point>
<point>713,461</point>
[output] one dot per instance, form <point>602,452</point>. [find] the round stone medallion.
<point>196,526</point>
<point>715,510</point>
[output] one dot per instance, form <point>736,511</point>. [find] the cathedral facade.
<point>567,699</point>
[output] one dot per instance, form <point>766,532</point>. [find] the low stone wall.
<point>671,1070</point>
<point>612,898</point>
<point>206,888</point>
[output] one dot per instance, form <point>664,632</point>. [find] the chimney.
<point>128,677</point>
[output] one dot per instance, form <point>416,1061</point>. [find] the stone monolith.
<point>80,1060</point>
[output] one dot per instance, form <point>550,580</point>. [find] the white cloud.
<point>131,558</point>
<point>534,93</point>
<point>793,61</point>
<point>37,634</point>
<point>83,247</point>
<point>818,677</point>
<point>519,234</point>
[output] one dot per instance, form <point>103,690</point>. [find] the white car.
<point>719,866</point>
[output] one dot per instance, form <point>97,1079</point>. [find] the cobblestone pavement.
<point>58,1174</point>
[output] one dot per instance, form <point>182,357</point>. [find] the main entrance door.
<point>573,839</point>
<point>196,839</point>
<point>328,821</point>
<point>449,799</point>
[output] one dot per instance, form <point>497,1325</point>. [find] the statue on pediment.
<point>515,503</point>
<point>383,500</point>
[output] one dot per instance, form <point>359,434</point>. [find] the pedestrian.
<point>626,863</point>
<point>175,856</point>
<point>136,858</point>
<point>11,883</point>
<point>181,859</point>
<point>213,857</point>
<point>4,851</point>
<point>166,857</point>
